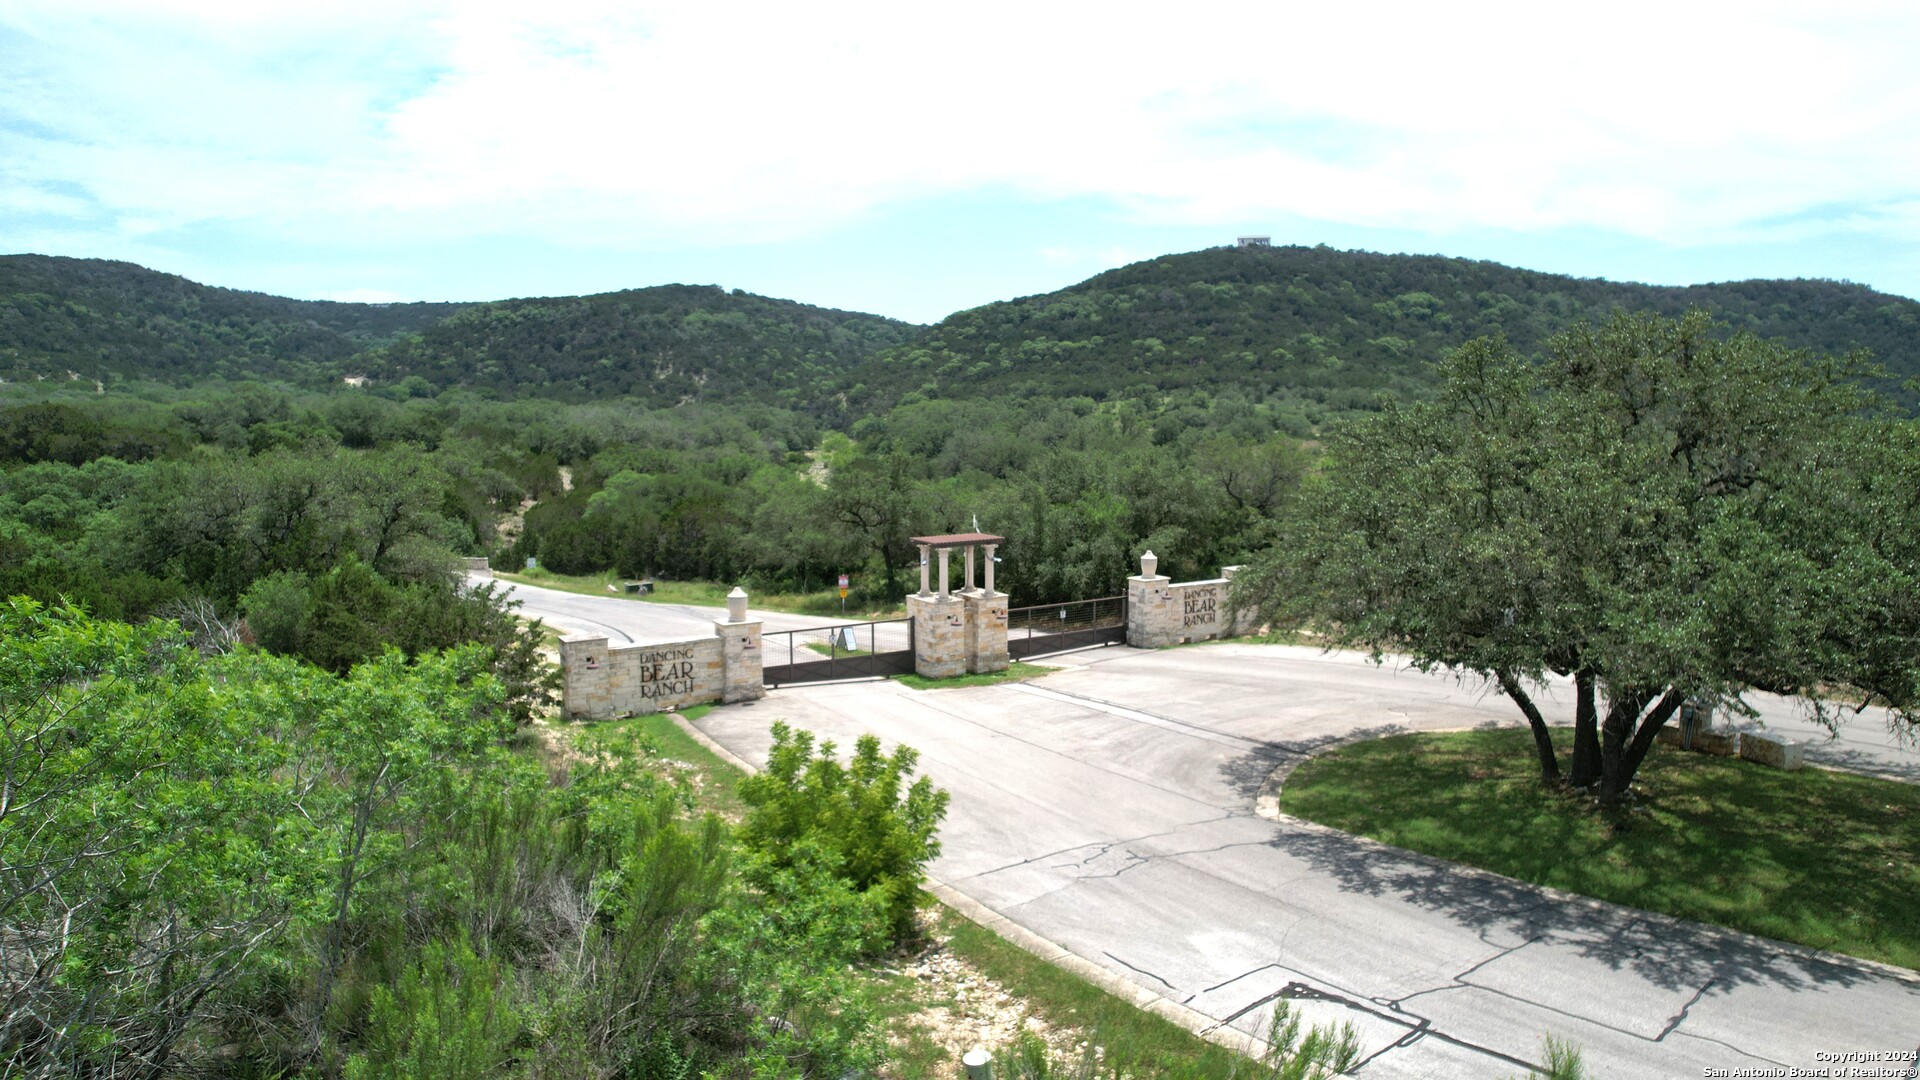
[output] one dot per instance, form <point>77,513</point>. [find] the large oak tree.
<point>1657,511</point>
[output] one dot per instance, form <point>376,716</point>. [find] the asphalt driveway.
<point>1109,809</point>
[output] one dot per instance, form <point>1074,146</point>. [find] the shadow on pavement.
<point>1667,953</point>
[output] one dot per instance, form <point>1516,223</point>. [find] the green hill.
<point>664,345</point>
<point>1328,327</point>
<point>111,320</point>
<point>674,343</point>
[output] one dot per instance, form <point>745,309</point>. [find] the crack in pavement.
<point>1681,1016</point>
<point>1418,1027</point>
<point>1136,860</point>
<point>1142,971</point>
<point>1103,843</point>
<point>1460,980</point>
<point>1748,1054</point>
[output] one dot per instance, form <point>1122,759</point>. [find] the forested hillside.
<point>1313,331</point>
<point>1326,329</point>
<point>102,320</point>
<point>665,346</point>
<point>90,319</point>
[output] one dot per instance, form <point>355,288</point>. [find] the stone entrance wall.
<point>1162,612</point>
<point>602,682</point>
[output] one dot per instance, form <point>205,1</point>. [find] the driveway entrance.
<point>1109,809</point>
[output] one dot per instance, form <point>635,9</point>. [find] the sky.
<point>913,160</point>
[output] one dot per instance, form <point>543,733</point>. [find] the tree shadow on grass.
<point>1247,774</point>
<point>1663,952</point>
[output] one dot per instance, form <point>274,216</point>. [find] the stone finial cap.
<point>1148,564</point>
<point>737,605</point>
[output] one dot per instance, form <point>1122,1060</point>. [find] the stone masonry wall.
<point>1161,612</point>
<point>602,682</point>
<point>986,632</point>
<point>939,636</point>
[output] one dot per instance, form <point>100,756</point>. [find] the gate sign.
<point>843,581</point>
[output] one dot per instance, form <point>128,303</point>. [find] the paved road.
<point>1109,808</point>
<point>626,622</point>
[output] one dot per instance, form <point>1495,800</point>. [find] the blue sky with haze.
<point>881,157</point>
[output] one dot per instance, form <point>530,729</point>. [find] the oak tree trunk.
<point>1542,738</point>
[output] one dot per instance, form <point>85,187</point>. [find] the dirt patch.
<point>961,1009</point>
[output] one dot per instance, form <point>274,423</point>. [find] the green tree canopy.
<point>1655,511</point>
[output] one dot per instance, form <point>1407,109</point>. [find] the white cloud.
<point>644,124</point>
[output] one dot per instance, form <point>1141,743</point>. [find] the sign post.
<point>843,595</point>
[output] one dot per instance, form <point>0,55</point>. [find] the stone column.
<point>740,664</point>
<point>943,573</point>
<point>986,632</point>
<point>585,688</point>
<point>1153,619</point>
<point>939,635</point>
<point>990,548</point>
<point>968,587</point>
<point>924,591</point>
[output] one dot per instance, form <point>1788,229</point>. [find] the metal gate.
<point>1052,628</point>
<point>869,650</point>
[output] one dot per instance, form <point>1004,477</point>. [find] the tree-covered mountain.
<point>1312,331</point>
<point>105,320</point>
<point>663,346</point>
<point>1328,327</point>
<point>93,319</point>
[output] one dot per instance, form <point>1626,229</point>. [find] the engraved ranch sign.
<point>666,673</point>
<point>1201,607</point>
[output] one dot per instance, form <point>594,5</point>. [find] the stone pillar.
<point>990,548</point>
<point>740,666</point>
<point>943,574</point>
<point>924,591</point>
<point>986,632</point>
<point>968,587</point>
<point>1153,619</point>
<point>585,687</point>
<point>939,635</point>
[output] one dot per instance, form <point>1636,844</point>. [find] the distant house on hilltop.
<point>1256,241</point>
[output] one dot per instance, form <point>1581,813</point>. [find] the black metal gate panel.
<point>1052,628</point>
<point>869,650</point>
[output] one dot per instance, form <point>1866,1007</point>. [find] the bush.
<point>452,1015</point>
<point>853,818</point>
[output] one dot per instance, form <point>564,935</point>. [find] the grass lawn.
<point>1015,672</point>
<point>1820,858</point>
<point>1141,1043</point>
<point>826,649</point>
<point>825,603</point>
<point>655,736</point>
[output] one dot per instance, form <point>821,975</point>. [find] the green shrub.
<point>853,818</point>
<point>450,1017</point>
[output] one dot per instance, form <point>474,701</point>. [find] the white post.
<point>990,548</point>
<point>978,1063</point>
<point>943,572</point>
<point>969,585</point>
<point>923,571</point>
